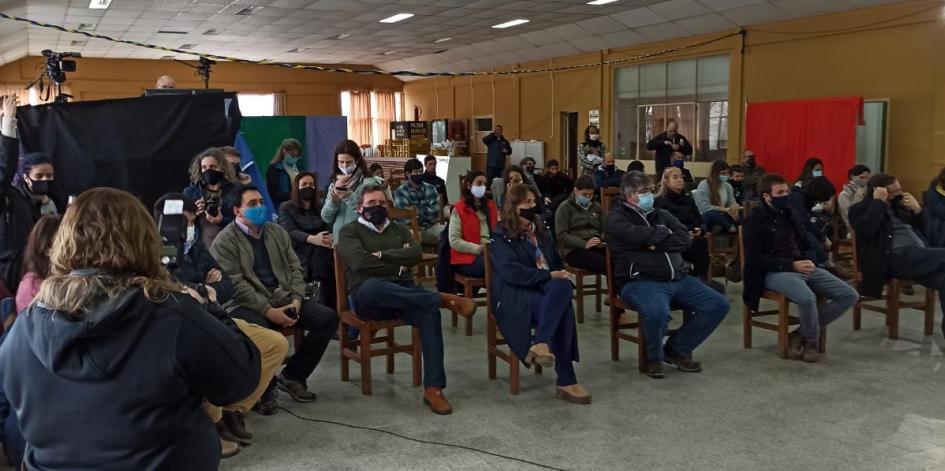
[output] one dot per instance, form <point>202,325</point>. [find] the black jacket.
<point>664,153</point>
<point>761,238</point>
<point>646,248</point>
<point>934,217</point>
<point>16,215</point>
<point>123,387</point>
<point>682,207</point>
<point>871,221</point>
<point>317,262</point>
<point>497,149</point>
<point>193,269</point>
<point>438,182</point>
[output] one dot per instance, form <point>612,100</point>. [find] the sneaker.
<point>682,363</point>
<point>236,423</point>
<point>434,398</point>
<point>267,404</point>
<point>654,369</point>
<point>298,390</point>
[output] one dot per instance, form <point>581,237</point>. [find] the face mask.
<point>817,173</point>
<point>416,179</point>
<point>290,160</point>
<point>582,201</point>
<point>212,177</point>
<point>347,170</point>
<point>594,137</point>
<point>478,191</point>
<point>610,168</point>
<point>679,163</point>
<point>530,169</point>
<point>646,202</point>
<point>896,200</point>
<point>528,213</point>
<point>780,203</point>
<point>40,187</point>
<point>859,183</point>
<point>307,193</point>
<point>191,234</point>
<point>723,178</point>
<point>750,162</point>
<point>257,215</point>
<point>375,214</point>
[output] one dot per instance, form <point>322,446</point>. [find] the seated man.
<point>888,224</point>
<point>737,180</point>
<point>579,225</point>
<point>429,176</point>
<point>378,258</point>
<point>268,289</point>
<point>422,196</point>
<point>853,191</point>
<point>647,245</point>
<point>607,175</point>
<point>780,256</point>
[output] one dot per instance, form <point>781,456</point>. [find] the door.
<point>871,137</point>
<point>569,142</point>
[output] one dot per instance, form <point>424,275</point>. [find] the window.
<point>369,120</point>
<point>257,104</point>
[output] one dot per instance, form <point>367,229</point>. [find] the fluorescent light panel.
<point>601,2</point>
<point>99,4</point>
<point>442,40</point>
<point>509,24</point>
<point>397,17</point>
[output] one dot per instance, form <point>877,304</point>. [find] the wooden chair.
<point>607,198</point>
<point>494,340</point>
<point>893,301</point>
<point>363,351</point>
<point>582,289</point>
<point>617,330</point>
<point>297,334</point>
<point>470,286</point>
<point>785,319</point>
<point>425,270</point>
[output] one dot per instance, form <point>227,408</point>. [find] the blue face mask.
<point>723,178</point>
<point>257,215</point>
<point>291,161</point>
<point>679,163</point>
<point>646,202</point>
<point>582,201</point>
<point>817,173</point>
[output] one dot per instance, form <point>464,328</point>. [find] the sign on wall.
<point>594,117</point>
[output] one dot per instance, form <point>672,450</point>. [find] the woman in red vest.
<point>471,224</point>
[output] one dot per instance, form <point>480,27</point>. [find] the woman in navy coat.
<point>530,289</point>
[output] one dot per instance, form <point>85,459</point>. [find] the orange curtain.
<point>359,123</point>
<point>385,114</point>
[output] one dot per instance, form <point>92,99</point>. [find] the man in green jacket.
<point>579,224</point>
<point>379,258</point>
<point>268,289</point>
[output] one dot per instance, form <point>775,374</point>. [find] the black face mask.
<point>780,203</point>
<point>212,177</point>
<point>236,169</point>
<point>528,213</point>
<point>750,162</point>
<point>530,169</point>
<point>895,201</point>
<point>375,214</point>
<point>416,179</point>
<point>307,193</point>
<point>40,187</point>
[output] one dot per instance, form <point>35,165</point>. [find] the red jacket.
<point>471,230</point>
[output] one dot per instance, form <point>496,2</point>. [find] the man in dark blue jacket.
<point>646,247</point>
<point>498,152</point>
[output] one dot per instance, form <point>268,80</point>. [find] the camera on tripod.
<point>57,65</point>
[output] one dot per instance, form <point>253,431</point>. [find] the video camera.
<point>173,229</point>
<point>57,66</point>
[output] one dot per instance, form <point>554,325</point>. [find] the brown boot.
<point>574,393</point>
<point>228,449</point>
<point>434,398</point>
<point>809,352</point>
<point>539,354</point>
<point>458,304</point>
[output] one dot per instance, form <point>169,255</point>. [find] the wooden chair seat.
<point>363,350</point>
<point>297,334</point>
<point>581,289</point>
<point>471,287</point>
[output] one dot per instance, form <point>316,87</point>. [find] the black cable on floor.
<point>417,440</point>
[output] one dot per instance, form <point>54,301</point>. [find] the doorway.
<point>871,138</point>
<point>569,142</point>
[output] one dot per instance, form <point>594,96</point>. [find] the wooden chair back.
<point>408,214</point>
<point>341,284</point>
<point>607,198</point>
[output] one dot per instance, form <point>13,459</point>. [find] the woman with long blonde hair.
<point>111,362</point>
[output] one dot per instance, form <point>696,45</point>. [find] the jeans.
<point>431,235</point>
<point>553,316</point>
<point>378,299</point>
<point>591,260</point>
<point>927,266</point>
<point>652,299</point>
<point>493,172</point>
<point>720,219</point>
<point>318,322</point>
<point>803,289</point>
<point>477,269</point>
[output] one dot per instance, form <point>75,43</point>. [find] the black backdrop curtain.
<point>141,145</point>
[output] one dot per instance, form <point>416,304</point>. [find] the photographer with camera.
<point>211,179</point>
<point>268,286</point>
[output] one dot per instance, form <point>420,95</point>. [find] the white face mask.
<point>479,191</point>
<point>347,170</point>
<point>191,233</point>
<point>594,137</point>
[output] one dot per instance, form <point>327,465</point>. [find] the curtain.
<point>784,134</point>
<point>385,114</point>
<point>278,104</point>
<point>359,123</point>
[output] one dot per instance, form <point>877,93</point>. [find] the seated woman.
<point>579,224</point>
<point>813,168</point>
<point>513,175</point>
<point>674,198</point>
<point>35,262</point>
<point>715,199</point>
<point>471,224</point>
<point>530,289</point>
<point>311,235</point>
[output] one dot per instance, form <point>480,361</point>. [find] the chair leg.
<point>783,321</point>
<point>491,345</point>
<point>469,326</point>
<point>929,310</point>
<point>513,373</point>
<point>746,327</point>
<point>614,341</point>
<point>857,315</point>
<point>641,347</point>
<point>892,312</point>
<point>455,320</point>
<point>598,293</point>
<point>822,341</point>
<point>579,297</point>
<point>365,354</point>
<point>297,339</point>
<point>390,346</point>
<point>343,338</point>
<point>416,356</point>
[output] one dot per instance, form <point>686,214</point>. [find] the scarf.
<point>540,260</point>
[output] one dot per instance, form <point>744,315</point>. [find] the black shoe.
<point>683,363</point>
<point>296,389</point>
<point>654,369</point>
<point>236,423</point>
<point>267,404</point>
<point>225,433</point>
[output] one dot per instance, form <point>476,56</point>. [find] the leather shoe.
<point>228,449</point>
<point>574,393</point>
<point>539,354</point>
<point>463,306</point>
<point>654,369</point>
<point>434,398</point>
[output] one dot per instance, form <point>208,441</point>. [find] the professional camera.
<point>57,66</point>
<point>173,229</point>
<point>212,205</point>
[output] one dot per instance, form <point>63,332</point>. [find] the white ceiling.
<point>557,28</point>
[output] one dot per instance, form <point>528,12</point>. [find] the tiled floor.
<point>872,404</point>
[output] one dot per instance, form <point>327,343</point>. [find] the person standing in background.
<point>667,142</point>
<point>234,158</point>
<point>591,151</point>
<point>165,81</point>
<point>429,176</point>
<point>498,153</point>
<point>282,171</point>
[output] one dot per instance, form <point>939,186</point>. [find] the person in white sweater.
<point>715,199</point>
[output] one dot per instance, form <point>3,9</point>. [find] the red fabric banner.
<point>784,134</point>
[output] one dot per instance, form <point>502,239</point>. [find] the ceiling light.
<point>442,40</point>
<point>390,53</point>
<point>509,24</point>
<point>397,17</point>
<point>601,2</point>
<point>99,4</point>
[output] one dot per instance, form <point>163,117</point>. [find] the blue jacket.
<point>514,277</point>
<point>935,217</point>
<point>278,183</point>
<point>498,149</point>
